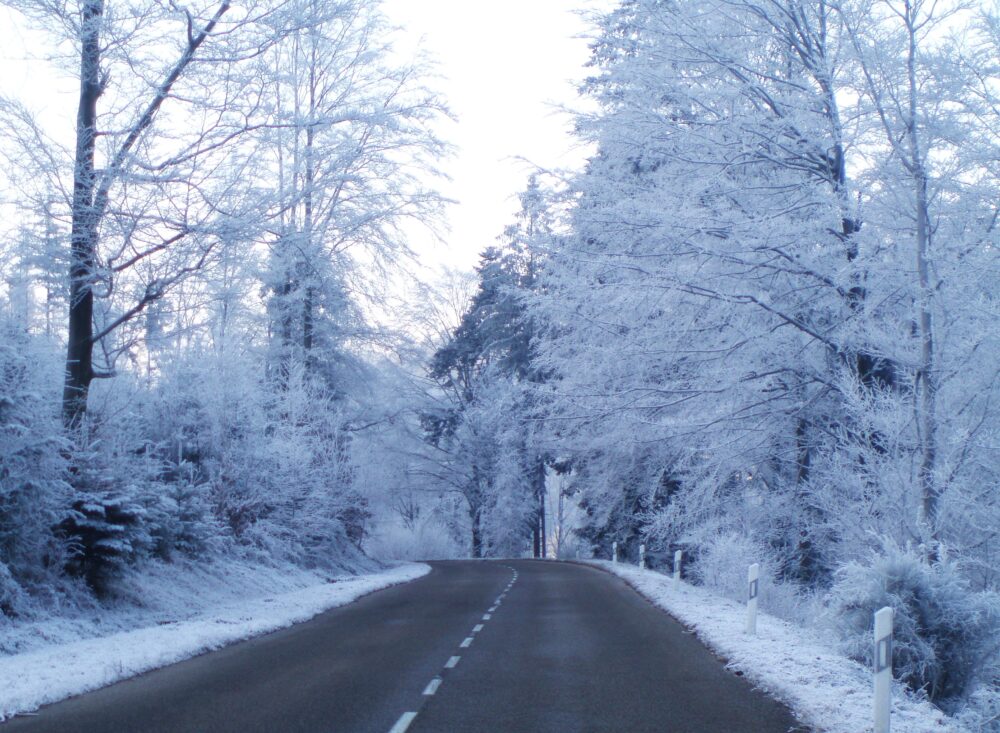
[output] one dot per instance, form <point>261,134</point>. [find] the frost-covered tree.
<point>352,150</point>
<point>484,370</point>
<point>769,323</point>
<point>161,163</point>
<point>34,488</point>
<point>237,196</point>
<point>738,288</point>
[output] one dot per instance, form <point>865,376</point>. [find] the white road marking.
<point>477,628</point>
<point>492,609</point>
<point>450,664</point>
<point>466,643</point>
<point>403,723</point>
<point>486,617</point>
<point>432,686</point>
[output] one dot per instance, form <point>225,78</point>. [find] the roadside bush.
<point>943,631</point>
<point>980,711</point>
<point>11,595</point>
<point>34,494</point>
<point>722,563</point>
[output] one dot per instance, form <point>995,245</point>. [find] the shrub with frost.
<point>34,494</point>
<point>722,562</point>
<point>943,631</point>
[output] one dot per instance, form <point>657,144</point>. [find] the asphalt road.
<point>473,646</point>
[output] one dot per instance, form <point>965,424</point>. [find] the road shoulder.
<point>795,665</point>
<point>33,679</point>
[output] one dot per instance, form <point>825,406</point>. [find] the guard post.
<point>753,577</point>
<point>678,557</point>
<point>882,668</point>
<point>642,556</point>
<point>614,552</point>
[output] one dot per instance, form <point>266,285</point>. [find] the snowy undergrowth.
<point>427,539</point>
<point>185,610</point>
<point>798,666</point>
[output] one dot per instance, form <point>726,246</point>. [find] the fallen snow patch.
<point>54,673</point>
<point>827,691</point>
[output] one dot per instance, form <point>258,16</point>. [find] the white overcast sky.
<point>505,67</point>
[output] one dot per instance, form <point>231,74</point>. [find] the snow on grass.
<point>57,671</point>
<point>827,691</point>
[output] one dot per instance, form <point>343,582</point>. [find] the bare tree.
<point>353,152</point>
<point>158,171</point>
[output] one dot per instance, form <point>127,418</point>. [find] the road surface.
<point>474,646</point>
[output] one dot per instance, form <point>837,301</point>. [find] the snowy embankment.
<point>827,691</point>
<point>228,614</point>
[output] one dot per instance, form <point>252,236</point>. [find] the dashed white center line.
<point>403,723</point>
<point>432,686</point>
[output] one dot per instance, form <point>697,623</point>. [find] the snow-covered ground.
<point>827,691</point>
<point>181,616</point>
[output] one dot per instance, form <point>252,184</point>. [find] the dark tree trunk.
<point>540,491</point>
<point>83,237</point>
<point>307,319</point>
<point>307,325</point>
<point>286,325</point>
<point>803,451</point>
<point>90,200</point>
<point>477,536</point>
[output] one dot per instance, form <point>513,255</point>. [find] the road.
<point>473,646</point>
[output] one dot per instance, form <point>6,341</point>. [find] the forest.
<point>759,325</point>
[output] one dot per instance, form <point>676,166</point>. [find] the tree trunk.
<point>477,537</point>
<point>927,381</point>
<point>285,328</point>
<point>307,216</point>
<point>83,237</point>
<point>540,488</point>
<point>929,490</point>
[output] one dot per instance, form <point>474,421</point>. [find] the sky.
<point>507,68</point>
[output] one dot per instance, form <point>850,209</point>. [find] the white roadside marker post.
<point>753,576</point>
<point>614,552</point>
<point>678,556</point>
<point>883,668</point>
<point>642,556</point>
